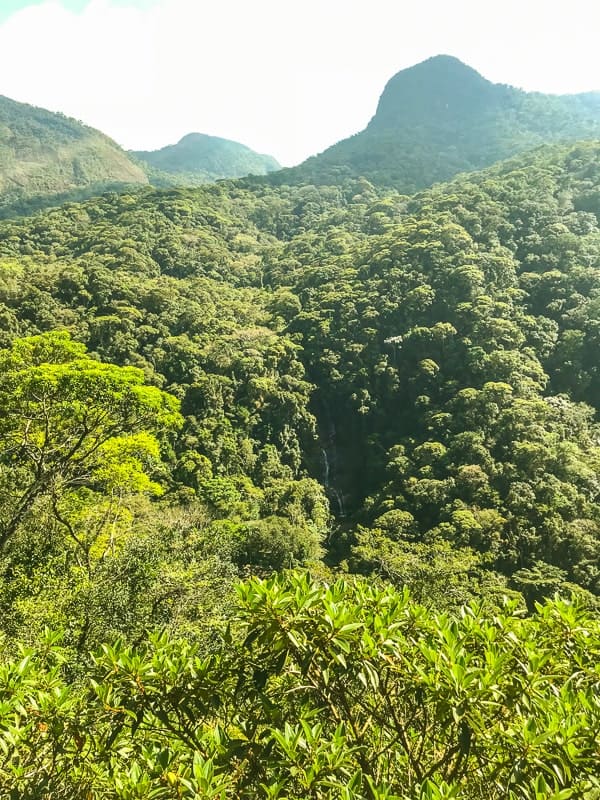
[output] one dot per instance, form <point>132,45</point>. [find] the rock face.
<point>441,117</point>
<point>198,158</point>
<point>45,155</point>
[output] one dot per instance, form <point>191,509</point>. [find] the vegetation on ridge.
<point>441,117</point>
<point>198,159</point>
<point>44,156</point>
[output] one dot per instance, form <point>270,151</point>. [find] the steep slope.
<point>46,156</point>
<point>441,117</point>
<point>198,158</point>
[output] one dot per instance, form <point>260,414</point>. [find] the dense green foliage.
<point>69,424</point>
<point>202,385</point>
<point>344,691</point>
<point>439,118</point>
<point>432,362</point>
<point>198,159</point>
<point>44,156</point>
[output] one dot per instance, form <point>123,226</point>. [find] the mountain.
<point>46,157</point>
<point>442,117</point>
<point>199,158</point>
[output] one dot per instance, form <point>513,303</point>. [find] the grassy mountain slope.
<point>44,155</point>
<point>198,158</point>
<point>441,117</point>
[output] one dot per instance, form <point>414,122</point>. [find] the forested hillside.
<point>441,117</point>
<point>198,159</point>
<point>381,411</point>
<point>47,157</point>
<point>428,365</point>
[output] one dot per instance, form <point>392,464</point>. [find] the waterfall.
<point>340,501</point>
<point>332,491</point>
<point>329,470</point>
<point>325,468</point>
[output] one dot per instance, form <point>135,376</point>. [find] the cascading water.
<point>325,468</point>
<point>340,501</point>
<point>332,491</point>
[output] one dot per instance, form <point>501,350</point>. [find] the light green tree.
<point>73,428</point>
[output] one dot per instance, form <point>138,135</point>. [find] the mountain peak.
<point>196,138</point>
<point>199,158</point>
<point>442,61</point>
<point>441,117</point>
<point>440,85</point>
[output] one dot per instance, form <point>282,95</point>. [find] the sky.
<point>287,78</point>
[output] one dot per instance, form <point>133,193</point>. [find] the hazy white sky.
<point>285,78</point>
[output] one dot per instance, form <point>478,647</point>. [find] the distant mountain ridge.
<point>441,117</point>
<point>47,158</point>
<point>433,121</point>
<point>199,158</point>
<point>45,155</point>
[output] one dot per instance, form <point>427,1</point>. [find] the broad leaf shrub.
<point>323,691</point>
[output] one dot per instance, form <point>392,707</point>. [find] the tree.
<point>69,423</point>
